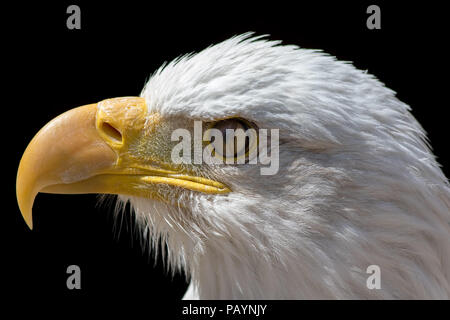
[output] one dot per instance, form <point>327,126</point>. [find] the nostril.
<point>112,132</point>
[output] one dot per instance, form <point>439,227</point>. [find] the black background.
<point>50,69</point>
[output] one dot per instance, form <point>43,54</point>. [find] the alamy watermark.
<point>374,280</point>
<point>74,19</point>
<point>374,20</point>
<point>74,278</point>
<point>237,146</point>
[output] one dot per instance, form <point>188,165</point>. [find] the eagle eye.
<point>238,138</point>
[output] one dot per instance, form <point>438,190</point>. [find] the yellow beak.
<point>88,150</point>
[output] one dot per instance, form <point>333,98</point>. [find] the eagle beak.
<point>62,157</point>
<point>92,149</point>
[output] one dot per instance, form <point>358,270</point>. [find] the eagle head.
<point>348,182</point>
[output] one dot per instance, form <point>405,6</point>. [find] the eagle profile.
<point>357,183</point>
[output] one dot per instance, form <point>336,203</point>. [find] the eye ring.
<point>242,144</point>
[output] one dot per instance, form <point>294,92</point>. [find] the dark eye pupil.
<point>233,124</point>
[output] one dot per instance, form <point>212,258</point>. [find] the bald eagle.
<point>357,184</point>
